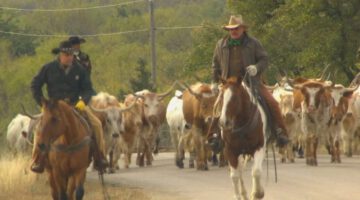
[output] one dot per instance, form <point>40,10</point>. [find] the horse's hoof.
<point>283,160</point>
<point>292,160</point>
<point>203,168</point>
<point>111,171</point>
<point>179,163</point>
<point>191,165</point>
<point>258,195</point>
<point>222,164</point>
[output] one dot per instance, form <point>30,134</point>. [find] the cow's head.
<point>340,96</point>
<point>153,108</point>
<point>286,103</point>
<point>314,92</point>
<point>205,97</point>
<point>114,120</point>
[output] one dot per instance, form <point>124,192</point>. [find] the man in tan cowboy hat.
<point>238,54</point>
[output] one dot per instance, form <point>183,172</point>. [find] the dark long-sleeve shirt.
<point>62,85</point>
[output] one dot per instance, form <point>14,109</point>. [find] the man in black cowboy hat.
<point>80,57</point>
<point>238,54</point>
<point>67,80</point>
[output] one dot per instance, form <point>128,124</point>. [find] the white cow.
<point>178,128</point>
<point>292,118</point>
<point>19,134</point>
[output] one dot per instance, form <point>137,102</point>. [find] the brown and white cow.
<point>198,102</point>
<point>341,97</point>
<point>153,113</point>
<point>351,124</point>
<point>316,103</point>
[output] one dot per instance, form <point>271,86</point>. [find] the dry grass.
<point>17,182</point>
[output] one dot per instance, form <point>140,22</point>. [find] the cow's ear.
<point>222,81</point>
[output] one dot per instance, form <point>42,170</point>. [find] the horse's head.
<point>53,123</point>
<point>232,93</point>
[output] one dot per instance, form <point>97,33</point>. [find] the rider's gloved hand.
<point>80,105</point>
<point>252,70</point>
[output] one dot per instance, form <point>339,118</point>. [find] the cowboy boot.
<point>38,165</point>
<point>100,162</point>
<point>281,137</point>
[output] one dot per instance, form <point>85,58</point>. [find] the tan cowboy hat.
<point>234,22</point>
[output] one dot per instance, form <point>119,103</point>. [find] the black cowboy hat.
<point>76,40</point>
<point>64,46</point>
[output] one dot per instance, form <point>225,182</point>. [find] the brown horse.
<point>64,139</point>
<point>242,123</point>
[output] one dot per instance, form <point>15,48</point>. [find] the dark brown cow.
<point>198,101</point>
<point>243,126</point>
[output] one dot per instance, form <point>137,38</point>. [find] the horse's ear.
<point>53,103</point>
<point>223,81</point>
<point>239,80</point>
<point>44,102</point>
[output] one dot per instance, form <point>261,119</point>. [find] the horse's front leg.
<point>61,185</point>
<point>257,188</point>
<point>236,177</point>
<point>54,192</point>
<point>79,184</point>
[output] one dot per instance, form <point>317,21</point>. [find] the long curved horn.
<point>139,96</point>
<point>129,107</point>
<point>100,110</point>
<point>187,87</point>
<point>271,87</point>
<point>34,117</point>
<point>352,89</point>
<point>324,71</point>
<point>163,95</point>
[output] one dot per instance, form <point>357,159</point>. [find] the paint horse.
<point>243,124</point>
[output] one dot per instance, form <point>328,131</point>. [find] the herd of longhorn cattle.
<point>316,112</point>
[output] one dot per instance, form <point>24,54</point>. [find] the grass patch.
<point>18,182</point>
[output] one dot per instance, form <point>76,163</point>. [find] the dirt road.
<point>296,181</point>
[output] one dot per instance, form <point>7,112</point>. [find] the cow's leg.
<point>222,162</point>
<point>282,152</point>
<point>192,159</point>
<point>308,149</point>
<point>236,177</point>
<point>257,188</point>
<point>140,152</point>
<point>337,151</point>
<point>314,150</point>
<point>111,169</point>
<point>290,152</point>
<point>180,152</point>
<point>116,158</point>
<point>175,138</point>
